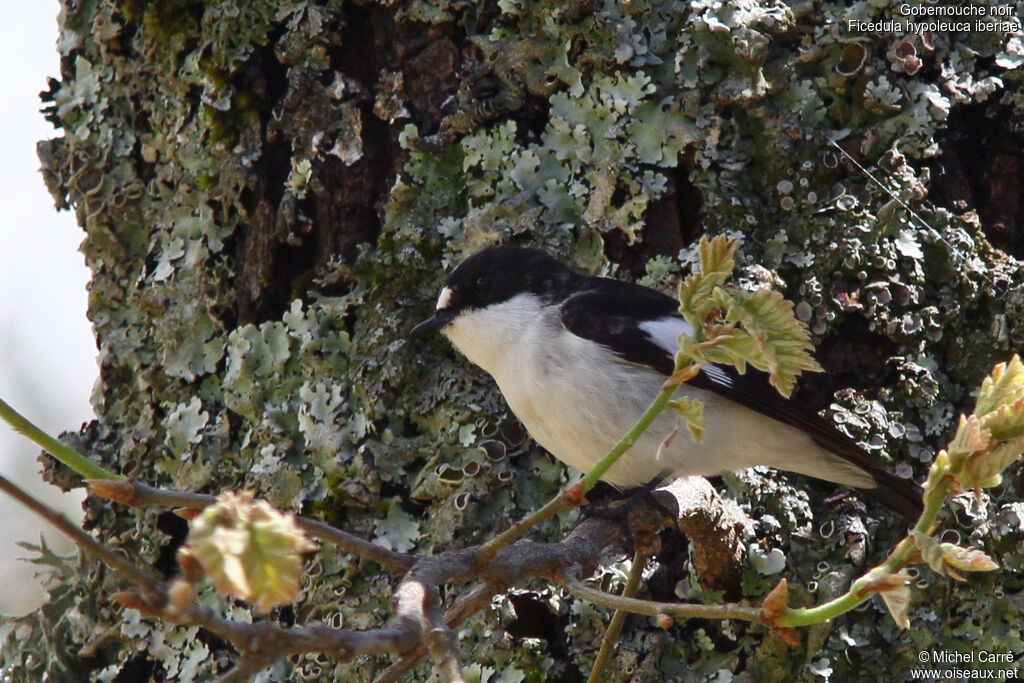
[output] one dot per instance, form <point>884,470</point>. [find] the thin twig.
<point>611,634</point>
<point>633,435</point>
<point>573,495</point>
<point>147,581</point>
<point>417,622</point>
<point>491,548</point>
<point>441,643</point>
<point>396,562</point>
<point>66,454</point>
<point>255,638</point>
<point>417,604</point>
<point>135,493</point>
<point>653,609</point>
<point>899,558</point>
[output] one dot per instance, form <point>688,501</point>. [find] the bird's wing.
<point>754,391</point>
<point>642,325</point>
<point>615,315</point>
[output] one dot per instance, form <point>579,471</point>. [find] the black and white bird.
<point>579,358</point>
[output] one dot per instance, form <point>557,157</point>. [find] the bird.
<point>578,358</point>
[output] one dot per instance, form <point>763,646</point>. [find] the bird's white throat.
<point>488,336</point>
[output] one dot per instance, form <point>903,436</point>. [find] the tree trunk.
<point>273,192</point>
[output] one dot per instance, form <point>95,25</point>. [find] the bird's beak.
<point>433,323</point>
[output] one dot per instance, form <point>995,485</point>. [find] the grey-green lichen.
<point>201,144</point>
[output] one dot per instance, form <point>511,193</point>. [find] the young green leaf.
<point>947,558</point>
<point>970,438</point>
<point>1000,404</point>
<point>716,265</point>
<point>781,345</point>
<point>1003,387</point>
<point>965,559</point>
<point>985,469</point>
<point>716,256</point>
<point>892,586</point>
<point>1006,421</point>
<point>692,411</point>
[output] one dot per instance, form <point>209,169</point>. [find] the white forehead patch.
<point>445,299</point>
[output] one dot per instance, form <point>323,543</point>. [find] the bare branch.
<point>396,562</point>
<point>466,606</point>
<point>147,581</point>
<point>574,585</point>
<point>418,624</point>
<point>135,493</point>
<point>567,498</point>
<point>441,643</point>
<point>611,634</point>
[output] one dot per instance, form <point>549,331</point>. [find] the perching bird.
<point>579,358</point>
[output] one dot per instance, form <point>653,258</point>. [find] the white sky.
<point>47,352</point>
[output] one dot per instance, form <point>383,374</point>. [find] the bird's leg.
<point>634,510</point>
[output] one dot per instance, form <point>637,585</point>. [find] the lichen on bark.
<point>272,192</point>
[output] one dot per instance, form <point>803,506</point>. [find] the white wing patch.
<point>716,373</point>
<point>445,299</point>
<point>665,331</point>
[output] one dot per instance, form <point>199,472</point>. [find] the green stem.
<point>821,613</point>
<point>933,501</point>
<point>67,455</point>
<point>631,437</point>
<point>569,497</point>
<point>679,610</point>
<point>898,558</point>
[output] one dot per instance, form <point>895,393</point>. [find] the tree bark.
<point>271,194</point>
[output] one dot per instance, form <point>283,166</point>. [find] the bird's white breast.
<point>574,396</point>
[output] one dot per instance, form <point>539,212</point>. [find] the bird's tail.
<point>846,463</point>
<point>899,495</point>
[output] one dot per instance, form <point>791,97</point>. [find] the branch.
<point>574,585</point>
<point>417,604</point>
<point>465,607</point>
<point>571,496</point>
<point>417,624</point>
<point>251,639</point>
<point>714,528</point>
<point>611,634</point>
<point>66,454</point>
<point>441,641</point>
<point>134,493</point>
<point>901,556</point>
<point>985,444</point>
<point>143,579</point>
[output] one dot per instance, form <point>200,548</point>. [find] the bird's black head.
<point>496,274</point>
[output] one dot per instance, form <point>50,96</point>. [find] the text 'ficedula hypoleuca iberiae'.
<point>579,358</point>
